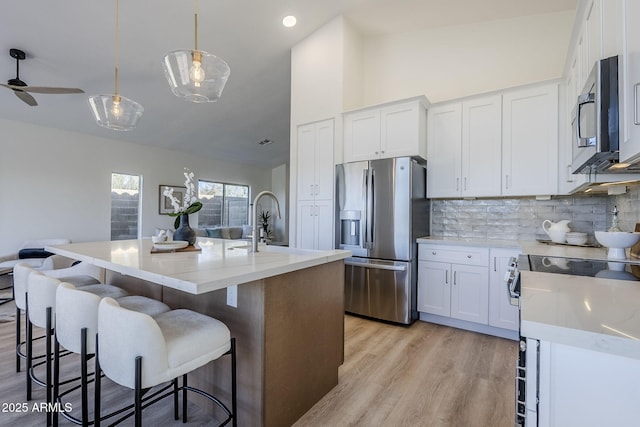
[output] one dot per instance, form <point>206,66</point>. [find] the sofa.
<point>225,232</point>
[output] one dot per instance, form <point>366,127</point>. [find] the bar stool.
<point>80,275</point>
<point>40,312</point>
<point>76,329</point>
<point>141,352</point>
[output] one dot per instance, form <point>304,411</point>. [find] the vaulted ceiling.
<point>71,43</point>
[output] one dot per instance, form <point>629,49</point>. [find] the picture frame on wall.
<point>165,206</point>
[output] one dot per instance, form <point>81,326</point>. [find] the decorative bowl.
<point>617,242</point>
<point>576,238</point>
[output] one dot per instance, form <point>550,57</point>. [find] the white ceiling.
<point>71,43</point>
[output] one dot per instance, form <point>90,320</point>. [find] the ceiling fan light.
<point>115,112</point>
<point>195,75</point>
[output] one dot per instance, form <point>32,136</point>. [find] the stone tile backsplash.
<point>521,218</point>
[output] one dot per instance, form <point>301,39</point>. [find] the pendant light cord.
<point>117,43</point>
<point>196,23</point>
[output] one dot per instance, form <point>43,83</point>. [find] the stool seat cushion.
<point>33,262</point>
<point>186,330</point>
<point>104,291</point>
<point>80,280</point>
<point>172,344</point>
<point>142,304</point>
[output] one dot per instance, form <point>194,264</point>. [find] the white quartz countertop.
<point>593,313</point>
<point>529,247</point>
<point>220,264</point>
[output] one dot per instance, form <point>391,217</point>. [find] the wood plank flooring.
<point>422,375</point>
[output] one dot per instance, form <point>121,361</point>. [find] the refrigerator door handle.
<point>365,205</point>
<point>368,235</point>
<point>376,266</point>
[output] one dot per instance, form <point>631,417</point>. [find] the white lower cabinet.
<point>456,290</point>
<point>315,225</point>
<point>462,286</point>
<point>501,313</point>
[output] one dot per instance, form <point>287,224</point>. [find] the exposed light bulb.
<point>196,73</point>
<point>116,110</point>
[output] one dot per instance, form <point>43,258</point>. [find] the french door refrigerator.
<point>381,209</point>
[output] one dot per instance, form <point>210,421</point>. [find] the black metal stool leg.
<point>56,378</point>
<point>234,402</point>
<point>49,325</point>
<point>18,338</point>
<point>83,377</point>
<point>184,398</point>
<point>97,384</point>
<point>138,392</point>
<point>29,346</point>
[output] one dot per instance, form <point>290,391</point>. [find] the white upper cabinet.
<point>530,141</point>
<point>391,130</point>
<point>315,160</point>
<point>464,148</point>
<point>444,145</point>
<point>481,146</point>
<point>630,138</point>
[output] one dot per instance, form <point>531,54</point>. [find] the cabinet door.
<point>400,133</point>
<point>593,33</point>
<point>362,135</point>
<point>481,146</point>
<point>501,313</point>
<point>324,165</point>
<point>630,145</point>
<point>530,141</point>
<point>324,216</point>
<point>306,161</point>
<point>444,145</point>
<point>306,225</point>
<point>470,293</point>
<point>434,293</point>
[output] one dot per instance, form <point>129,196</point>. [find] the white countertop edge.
<point>307,258</point>
<point>621,346</point>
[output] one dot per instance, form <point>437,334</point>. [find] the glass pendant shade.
<point>195,75</point>
<point>115,112</point>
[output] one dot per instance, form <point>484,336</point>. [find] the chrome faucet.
<point>254,215</point>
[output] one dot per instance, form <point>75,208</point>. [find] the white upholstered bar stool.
<point>40,312</point>
<point>76,329</point>
<point>80,275</point>
<point>141,352</point>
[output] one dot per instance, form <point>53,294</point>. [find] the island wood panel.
<point>289,333</point>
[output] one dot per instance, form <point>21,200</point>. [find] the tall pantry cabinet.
<point>314,204</point>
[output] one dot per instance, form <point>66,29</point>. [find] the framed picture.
<point>165,206</point>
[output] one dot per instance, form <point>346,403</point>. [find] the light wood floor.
<point>422,375</point>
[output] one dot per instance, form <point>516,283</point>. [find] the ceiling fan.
<point>21,89</point>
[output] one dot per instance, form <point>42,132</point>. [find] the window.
<point>223,204</point>
<point>125,206</point>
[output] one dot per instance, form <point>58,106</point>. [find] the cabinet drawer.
<point>454,254</point>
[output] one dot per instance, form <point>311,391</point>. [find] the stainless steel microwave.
<point>595,121</point>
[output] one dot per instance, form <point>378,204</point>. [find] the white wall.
<point>453,62</point>
<point>55,183</point>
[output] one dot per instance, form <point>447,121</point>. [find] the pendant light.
<point>195,75</point>
<point>115,111</point>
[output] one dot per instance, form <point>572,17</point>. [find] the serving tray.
<point>586,245</point>
<point>190,248</point>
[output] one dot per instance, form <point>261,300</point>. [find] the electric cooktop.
<point>620,270</point>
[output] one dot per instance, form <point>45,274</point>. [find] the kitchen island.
<point>284,306</point>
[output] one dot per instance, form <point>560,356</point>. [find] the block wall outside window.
<point>223,204</point>
<point>125,206</point>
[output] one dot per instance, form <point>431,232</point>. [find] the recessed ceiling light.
<point>289,21</point>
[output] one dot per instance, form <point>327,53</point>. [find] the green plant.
<point>265,217</point>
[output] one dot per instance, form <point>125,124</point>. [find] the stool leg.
<point>56,378</point>
<point>138,392</point>
<point>18,338</point>
<point>29,349</point>
<point>184,398</point>
<point>234,403</point>
<point>97,384</point>
<point>83,377</point>
<point>48,362</point>
<point>175,399</point>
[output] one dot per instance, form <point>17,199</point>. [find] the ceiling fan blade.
<point>51,90</point>
<point>28,99</point>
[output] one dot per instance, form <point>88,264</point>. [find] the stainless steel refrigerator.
<point>381,209</point>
